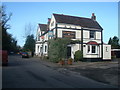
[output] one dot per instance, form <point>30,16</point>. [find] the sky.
<point>24,13</point>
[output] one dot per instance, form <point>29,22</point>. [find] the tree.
<point>114,42</point>
<point>5,18</point>
<point>29,43</point>
<point>29,28</point>
<point>14,46</point>
<point>8,42</point>
<point>6,38</point>
<point>110,41</point>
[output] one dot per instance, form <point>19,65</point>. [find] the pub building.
<point>86,30</point>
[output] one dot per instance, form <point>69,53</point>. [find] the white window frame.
<point>90,52</point>
<point>94,34</point>
<point>45,48</point>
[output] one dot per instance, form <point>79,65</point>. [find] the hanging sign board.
<point>42,37</point>
<point>50,34</point>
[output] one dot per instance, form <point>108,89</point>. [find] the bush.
<point>57,49</point>
<point>78,56</point>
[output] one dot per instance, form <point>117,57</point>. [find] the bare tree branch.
<point>29,28</point>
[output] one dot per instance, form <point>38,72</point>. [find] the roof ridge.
<point>72,16</point>
<point>41,24</point>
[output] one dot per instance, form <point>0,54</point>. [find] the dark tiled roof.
<point>43,27</point>
<point>84,22</point>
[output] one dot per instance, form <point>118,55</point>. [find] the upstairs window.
<point>52,23</point>
<point>38,37</point>
<point>92,34</point>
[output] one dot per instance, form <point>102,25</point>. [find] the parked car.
<point>4,55</point>
<point>25,55</point>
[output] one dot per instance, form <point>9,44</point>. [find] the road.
<point>33,73</point>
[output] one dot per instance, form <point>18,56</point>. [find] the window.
<point>52,23</point>
<point>93,49</point>
<point>38,49</point>
<point>88,49</point>
<point>106,49</point>
<point>45,48</point>
<point>38,37</point>
<point>92,34</point>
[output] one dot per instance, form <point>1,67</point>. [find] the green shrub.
<point>78,56</point>
<point>57,49</point>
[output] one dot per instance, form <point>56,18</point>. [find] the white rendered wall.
<point>86,36</point>
<point>74,48</point>
<point>64,25</point>
<point>37,49</point>
<point>45,53</point>
<point>106,51</point>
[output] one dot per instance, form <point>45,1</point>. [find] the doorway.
<point>68,52</point>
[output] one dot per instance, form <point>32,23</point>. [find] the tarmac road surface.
<point>33,73</point>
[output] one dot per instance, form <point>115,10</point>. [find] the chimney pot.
<point>49,19</point>
<point>93,16</point>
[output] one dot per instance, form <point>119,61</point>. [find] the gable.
<point>43,27</point>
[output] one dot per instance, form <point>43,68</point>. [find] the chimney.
<point>49,19</point>
<point>48,23</point>
<point>93,16</point>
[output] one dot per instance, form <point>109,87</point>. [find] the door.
<point>68,52</point>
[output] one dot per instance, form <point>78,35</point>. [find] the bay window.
<point>92,49</point>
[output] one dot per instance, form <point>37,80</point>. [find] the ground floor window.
<point>88,49</point>
<point>37,49</point>
<point>45,48</point>
<point>41,49</point>
<point>92,49</point>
